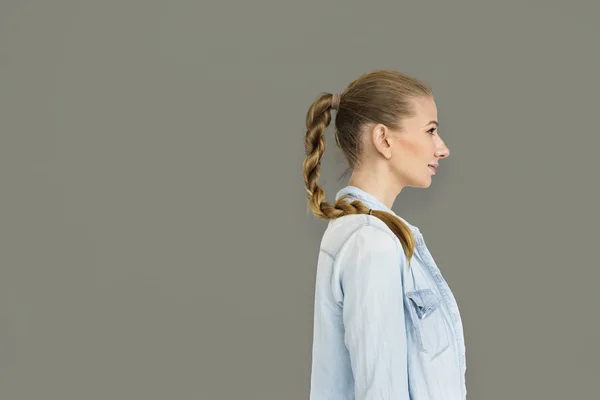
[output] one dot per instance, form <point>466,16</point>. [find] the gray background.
<point>155,240</point>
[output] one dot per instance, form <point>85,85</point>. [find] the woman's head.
<point>386,127</point>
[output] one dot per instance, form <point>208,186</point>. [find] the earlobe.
<point>388,151</point>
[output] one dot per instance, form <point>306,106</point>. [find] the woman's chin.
<point>424,184</point>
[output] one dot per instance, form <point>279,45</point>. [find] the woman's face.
<point>418,145</point>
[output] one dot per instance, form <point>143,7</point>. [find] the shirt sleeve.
<point>373,314</point>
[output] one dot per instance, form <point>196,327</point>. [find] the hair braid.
<point>318,118</point>
<point>384,96</point>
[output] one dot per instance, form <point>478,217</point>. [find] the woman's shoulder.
<point>354,222</point>
<point>340,230</point>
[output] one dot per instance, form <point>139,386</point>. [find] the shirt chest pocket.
<point>428,321</point>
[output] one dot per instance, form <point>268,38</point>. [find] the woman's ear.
<point>381,139</point>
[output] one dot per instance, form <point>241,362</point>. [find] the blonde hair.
<point>381,96</point>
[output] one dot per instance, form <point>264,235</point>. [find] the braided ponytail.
<point>367,95</point>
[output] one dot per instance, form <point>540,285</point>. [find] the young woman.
<point>386,324</point>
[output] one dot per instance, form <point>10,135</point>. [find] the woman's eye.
<point>432,130</point>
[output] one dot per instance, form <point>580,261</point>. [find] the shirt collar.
<point>372,202</point>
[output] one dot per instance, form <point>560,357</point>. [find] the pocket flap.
<point>425,301</point>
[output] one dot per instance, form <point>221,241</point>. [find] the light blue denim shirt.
<point>382,331</point>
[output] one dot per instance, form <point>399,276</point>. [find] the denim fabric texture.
<point>382,331</point>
